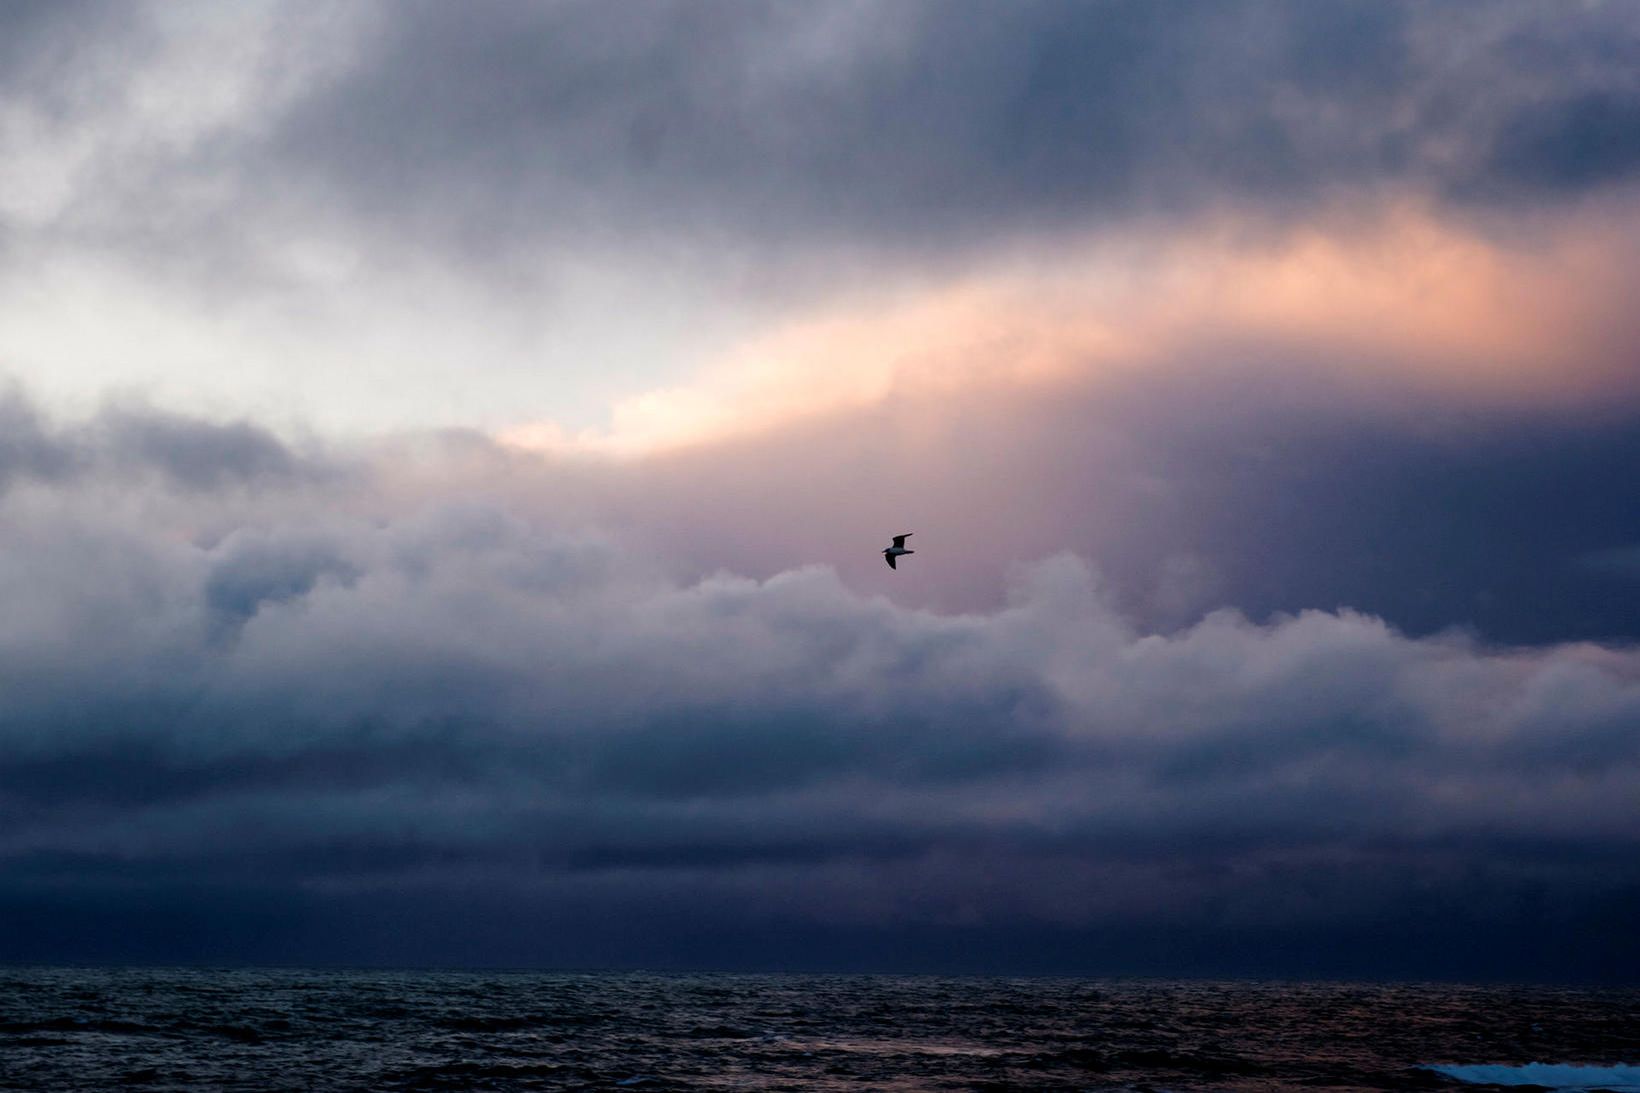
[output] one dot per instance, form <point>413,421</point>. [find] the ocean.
<point>279,1029</point>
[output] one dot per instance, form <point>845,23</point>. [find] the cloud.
<point>133,440</point>
<point>929,126</point>
<point>796,136</point>
<point>1573,144</point>
<point>1391,413</point>
<point>29,449</point>
<point>397,215</point>
<point>463,694</point>
<point>1281,352</point>
<point>1395,308</point>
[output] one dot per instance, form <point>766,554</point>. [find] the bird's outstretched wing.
<point>889,558</point>
<point>899,540</point>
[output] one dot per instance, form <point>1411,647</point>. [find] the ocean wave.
<point>1547,1075</point>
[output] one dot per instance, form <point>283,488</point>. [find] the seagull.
<point>890,553</point>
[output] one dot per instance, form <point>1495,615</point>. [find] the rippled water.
<point>321,1030</point>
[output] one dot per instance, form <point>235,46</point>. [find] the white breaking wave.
<point>1548,1075</point>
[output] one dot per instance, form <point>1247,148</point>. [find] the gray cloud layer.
<point>339,709</point>
<point>441,701</point>
<point>923,125</point>
<point>136,442</point>
<point>852,128</point>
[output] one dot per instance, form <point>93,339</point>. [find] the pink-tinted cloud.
<point>1405,306</point>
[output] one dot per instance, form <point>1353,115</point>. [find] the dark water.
<point>207,1029</point>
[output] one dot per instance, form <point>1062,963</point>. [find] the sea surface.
<point>193,1029</point>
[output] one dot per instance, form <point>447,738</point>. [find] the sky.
<point>445,452</point>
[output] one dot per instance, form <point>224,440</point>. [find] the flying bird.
<point>890,553</point>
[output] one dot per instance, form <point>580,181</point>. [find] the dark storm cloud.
<point>923,122</point>
<point>1571,145</point>
<point>485,136</point>
<point>448,704</point>
<point>445,700</point>
<point>927,123</point>
<point>1471,520</point>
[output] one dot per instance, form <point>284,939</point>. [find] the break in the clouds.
<point>449,449</point>
<point>333,710</point>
